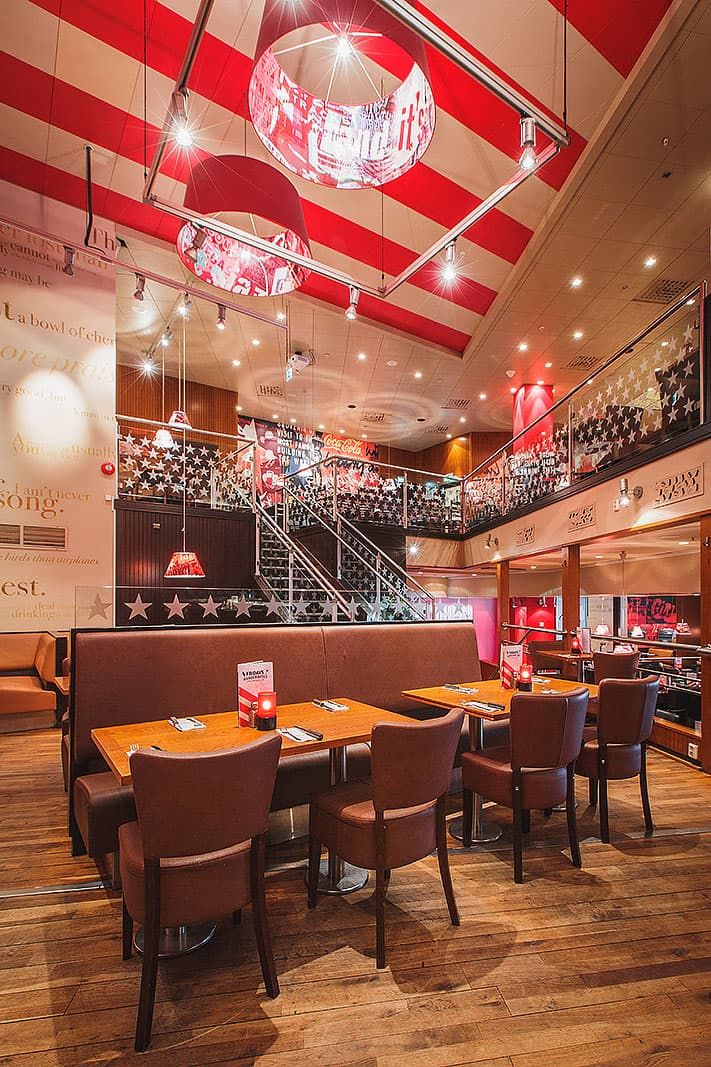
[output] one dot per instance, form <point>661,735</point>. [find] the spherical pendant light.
<point>349,146</point>
<point>229,184</point>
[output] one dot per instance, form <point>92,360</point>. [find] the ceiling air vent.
<point>9,535</point>
<point>582,362</point>
<point>438,430</point>
<point>375,416</point>
<point>44,536</point>
<point>270,390</point>
<point>662,291</point>
<point>456,403</point>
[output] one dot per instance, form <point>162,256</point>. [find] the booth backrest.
<point>124,676</point>
<point>375,663</point>
<point>18,651</point>
<point>45,662</point>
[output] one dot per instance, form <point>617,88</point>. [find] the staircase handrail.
<point>378,552</point>
<point>264,517</point>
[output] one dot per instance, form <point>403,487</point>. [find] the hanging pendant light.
<point>231,184</point>
<point>346,146</point>
<point>163,438</point>
<point>183,563</point>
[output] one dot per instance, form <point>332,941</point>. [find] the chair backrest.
<point>547,729</point>
<point>206,802</point>
<point>626,711</point>
<point>412,761</point>
<point>615,665</point>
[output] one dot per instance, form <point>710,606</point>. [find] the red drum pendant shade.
<point>241,184</point>
<point>349,146</point>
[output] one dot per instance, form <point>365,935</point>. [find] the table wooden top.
<point>62,684</point>
<point>569,657</point>
<point>222,732</point>
<point>491,692</point>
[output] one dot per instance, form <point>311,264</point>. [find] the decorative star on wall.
<point>210,606</point>
<point>175,607</point>
<point>98,608</point>
<point>138,607</point>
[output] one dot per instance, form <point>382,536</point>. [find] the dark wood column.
<point>705,590</point>
<point>570,563</point>
<point>503,597</point>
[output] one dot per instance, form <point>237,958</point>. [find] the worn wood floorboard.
<point>610,965</point>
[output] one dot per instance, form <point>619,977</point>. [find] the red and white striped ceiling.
<point>72,73</point>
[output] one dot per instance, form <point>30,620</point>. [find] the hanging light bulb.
<point>140,286</point>
<point>528,158</point>
<point>68,267</point>
<point>184,307</point>
<point>181,126</point>
<point>352,309</point>
<point>166,337</point>
<point>221,316</point>
<point>449,265</point>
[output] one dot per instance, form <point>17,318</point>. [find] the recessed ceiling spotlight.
<point>513,389</point>
<point>365,437</point>
<point>221,317</point>
<point>540,382</point>
<point>449,437</point>
<point>418,373</point>
<point>275,416</point>
<point>577,335</point>
<point>523,346</point>
<point>462,419</point>
<point>256,342</point>
<point>534,567</point>
<point>665,344</point>
<point>510,373</point>
<point>281,316</point>
<point>351,406</point>
<point>236,362</point>
<point>684,542</point>
<point>392,363</point>
<point>576,282</point>
<point>292,421</point>
<point>341,430</point>
<point>238,407</point>
<point>650,261</point>
<point>548,365</point>
<point>362,357</point>
<point>482,396</point>
<point>690,301</point>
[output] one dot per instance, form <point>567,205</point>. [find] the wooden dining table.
<point>339,729</point>
<point>476,700</point>
<point>579,660</point>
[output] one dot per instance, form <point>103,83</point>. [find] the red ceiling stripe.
<point>619,31</point>
<point>71,189</point>
<point>222,74</point>
<point>75,111</point>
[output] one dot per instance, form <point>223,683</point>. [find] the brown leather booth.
<point>125,676</point>
<point>29,663</point>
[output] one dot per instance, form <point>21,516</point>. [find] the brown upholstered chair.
<point>536,771</point>
<point>617,747</point>
<point>397,817</point>
<point>197,850</point>
<point>615,665</point>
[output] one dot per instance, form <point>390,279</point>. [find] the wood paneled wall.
<point>148,534</point>
<point>458,456</point>
<point>208,407</point>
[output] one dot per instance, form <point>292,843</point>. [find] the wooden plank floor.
<point>608,965</point>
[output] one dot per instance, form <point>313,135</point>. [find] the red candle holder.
<point>525,679</point>
<point>575,646</point>
<point>265,717</point>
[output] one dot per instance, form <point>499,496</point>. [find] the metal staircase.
<point>380,590</point>
<point>299,589</point>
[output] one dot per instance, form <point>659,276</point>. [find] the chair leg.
<point>572,819</point>
<point>380,890</point>
<point>149,970</point>
<point>602,785</point>
<point>443,858</point>
<point>526,821</point>
<point>116,871</point>
<point>468,813</point>
<point>126,932</point>
<point>259,911</point>
<point>314,864</point>
<point>644,790</point>
<point>517,829</point>
<point>592,792</point>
